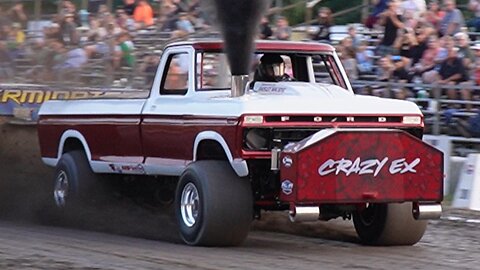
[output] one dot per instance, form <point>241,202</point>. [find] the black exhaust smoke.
<point>238,21</point>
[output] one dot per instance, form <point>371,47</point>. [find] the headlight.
<point>253,119</point>
<point>257,139</point>
<point>412,120</point>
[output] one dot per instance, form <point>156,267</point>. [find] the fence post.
<point>365,10</point>
<point>84,4</point>
<point>110,5</point>
<point>37,9</point>
<point>436,96</point>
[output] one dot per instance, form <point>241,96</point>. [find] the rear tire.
<point>388,225</point>
<point>74,180</point>
<point>213,206</point>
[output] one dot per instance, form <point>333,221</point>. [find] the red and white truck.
<point>234,147</point>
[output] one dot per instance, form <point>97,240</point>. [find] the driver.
<point>271,69</point>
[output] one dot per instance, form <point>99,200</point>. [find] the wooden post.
<point>84,4</point>
<point>110,5</point>
<point>366,4</point>
<point>37,10</point>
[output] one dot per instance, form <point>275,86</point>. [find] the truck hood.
<point>301,97</point>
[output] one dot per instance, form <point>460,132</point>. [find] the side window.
<point>213,72</point>
<point>175,80</point>
<point>326,71</point>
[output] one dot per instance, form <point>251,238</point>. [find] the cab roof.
<point>260,45</point>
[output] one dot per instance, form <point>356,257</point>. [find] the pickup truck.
<point>233,147</point>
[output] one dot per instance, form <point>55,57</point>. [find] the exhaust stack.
<point>426,211</point>
<point>239,85</point>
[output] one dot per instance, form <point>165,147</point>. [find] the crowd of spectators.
<point>421,42</point>
<point>74,36</point>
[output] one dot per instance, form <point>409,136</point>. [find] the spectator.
<point>474,6</point>
<point>453,72</point>
<point>124,21</point>
<point>379,6</point>
<point>476,65</point>
<point>53,32</point>
<point>453,20</point>
<point>184,24</point>
<point>324,22</point>
<point>392,22</point>
<point>265,30</point>
<point>68,61</point>
<point>127,48</point>
<point>434,14</point>
<point>15,41</point>
<point>348,57</point>
<point>4,18</point>
<point>404,43</point>
<point>69,9</point>
<point>129,7</point>
<point>412,10</point>
<point>384,74</point>
<point>17,14</point>
<point>431,58</point>
<point>70,35</point>
<point>96,32</point>
<point>400,75</point>
<point>464,51</point>
<point>143,13</point>
<point>94,5</point>
<point>149,67</point>
<point>356,39</point>
<point>364,58</point>
<point>282,31</point>
<point>417,50</point>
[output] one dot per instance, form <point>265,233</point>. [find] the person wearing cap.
<point>270,69</point>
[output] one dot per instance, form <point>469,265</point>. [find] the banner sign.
<point>25,100</point>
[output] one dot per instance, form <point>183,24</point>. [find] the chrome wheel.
<point>60,191</point>
<point>189,205</point>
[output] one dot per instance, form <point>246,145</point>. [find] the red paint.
<point>311,187</point>
<point>282,46</point>
<point>111,137</point>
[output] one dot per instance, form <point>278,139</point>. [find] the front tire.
<point>74,180</point>
<point>213,206</point>
<point>388,225</point>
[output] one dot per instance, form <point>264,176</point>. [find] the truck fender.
<point>77,135</point>
<point>239,165</point>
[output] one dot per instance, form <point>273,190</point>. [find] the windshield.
<point>213,71</point>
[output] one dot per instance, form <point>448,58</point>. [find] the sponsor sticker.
<point>287,161</point>
<point>287,187</point>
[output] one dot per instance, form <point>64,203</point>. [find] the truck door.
<point>163,126</point>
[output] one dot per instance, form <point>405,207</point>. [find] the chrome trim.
<point>426,211</point>
<point>239,85</point>
<point>190,204</point>
<point>304,213</point>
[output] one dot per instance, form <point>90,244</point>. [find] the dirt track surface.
<point>447,245</point>
<point>121,232</point>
